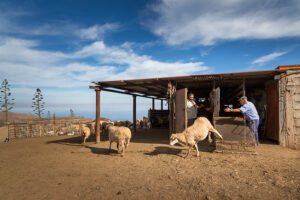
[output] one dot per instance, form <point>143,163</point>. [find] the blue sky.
<point>61,46</point>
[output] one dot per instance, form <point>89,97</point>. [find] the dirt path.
<point>62,168</point>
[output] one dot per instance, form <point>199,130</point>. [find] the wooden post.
<point>27,132</point>
<point>54,116</point>
<point>244,87</point>
<point>171,108</point>
<point>161,104</point>
<point>134,113</point>
<point>244,94</point>
<point>153,104</point>
<point>98,115</point>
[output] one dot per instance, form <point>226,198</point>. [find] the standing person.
<point>249,110</point>
<point>191,109</point>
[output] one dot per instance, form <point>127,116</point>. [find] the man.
<point>249,110</point>
<point>191,109</point>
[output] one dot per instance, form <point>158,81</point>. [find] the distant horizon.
<point>112,115</point>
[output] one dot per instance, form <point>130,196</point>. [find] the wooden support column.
<point>134,113</point>
<point>244,87</point>
<point>161,104</point>
<point>97,115</point>
<point>171,109</point>
<point>244,94</point>
<point>153,104</point>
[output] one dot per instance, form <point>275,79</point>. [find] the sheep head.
<point>173,139</point>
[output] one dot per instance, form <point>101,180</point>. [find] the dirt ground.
<point>3,133</point>
<point>63,168</point>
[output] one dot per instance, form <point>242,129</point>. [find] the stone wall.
<point>289,109</point>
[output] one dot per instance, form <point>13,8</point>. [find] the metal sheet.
<point>233,128</point>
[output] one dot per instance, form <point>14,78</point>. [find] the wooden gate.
<point>272,111</point>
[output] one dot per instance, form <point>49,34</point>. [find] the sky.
<point>62,46</point>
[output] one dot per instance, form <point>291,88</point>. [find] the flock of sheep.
<point>200,130</point>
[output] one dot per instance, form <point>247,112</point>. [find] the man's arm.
<point>232,110</point>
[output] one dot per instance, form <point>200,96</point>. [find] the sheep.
<point>85,132</point>
<point>119,134</point>
<point>195,133</point>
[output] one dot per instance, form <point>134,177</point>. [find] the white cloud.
<point>268,58</point>
<point>97,31</point>
<point>25,65</point>
<point>205,22</point>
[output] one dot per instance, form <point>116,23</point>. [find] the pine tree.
<point>38,103</point>
<point>72,114</point>
<point>6,102</point>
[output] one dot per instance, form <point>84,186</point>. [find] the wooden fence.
<point>47,127</point>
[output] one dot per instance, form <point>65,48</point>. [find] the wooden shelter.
<point>276,94</point>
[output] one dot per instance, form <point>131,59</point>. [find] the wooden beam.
<point>153,104</point>
<point>97,115</point>
<point>134,113</point>
<point>160,83</point>
<point>131,91</point>
<point>161,104</point>
<point>123,92</point>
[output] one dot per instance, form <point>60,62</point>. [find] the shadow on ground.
<point>164,150</point>
<point>203,147</point>
<point>73,141</point>
<point>102,151</point>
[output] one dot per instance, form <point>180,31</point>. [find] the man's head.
<point>191,96</point>
<point>243,100</point>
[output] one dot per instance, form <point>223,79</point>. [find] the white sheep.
<point>119,134</point>
<point>195,133</point>
<point>85,132</point>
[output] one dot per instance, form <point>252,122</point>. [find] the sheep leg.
<point>118,145</point>
<point>109,147</point>
<point>127,143</point>
<point>123,149</point>
<point>216,132</point>
<point>209,137</point>
<point>190,147</point>
<point>196,146</point>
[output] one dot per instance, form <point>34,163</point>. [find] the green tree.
<point>72,114</point>
<point>6,102</point>
<point>38,103</point>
